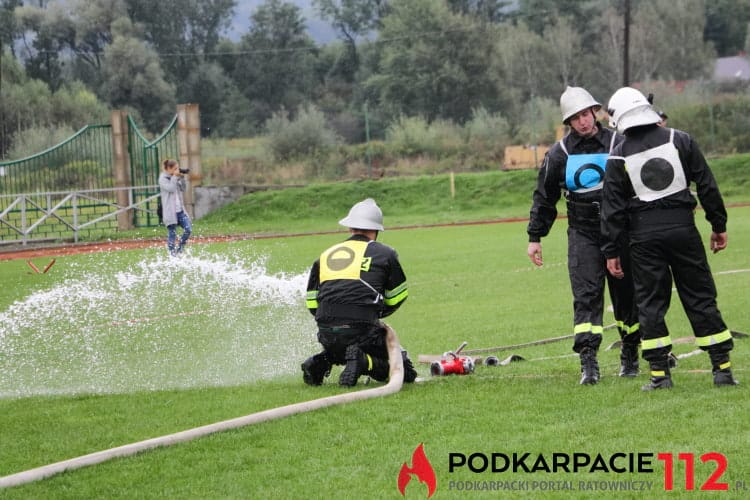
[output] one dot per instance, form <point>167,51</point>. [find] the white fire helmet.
<point>576,99</point>
<point>629,108</point>
<point>364,215</point>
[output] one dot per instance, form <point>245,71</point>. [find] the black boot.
<point>720,366</point>
<point>410,374</point>
<point>724,377</point>
<point>629,360</point>
<point>315,369</point>
<point>379,369</point>
<point>589,367</point>
<point>660,377</point>
<point>357,363</point>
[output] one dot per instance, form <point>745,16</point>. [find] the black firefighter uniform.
<point>350,287</point>
<point>575,166</point>
<point>646,193</point>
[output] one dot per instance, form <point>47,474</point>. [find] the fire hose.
<point>395,381</point>
<point>431,358</point>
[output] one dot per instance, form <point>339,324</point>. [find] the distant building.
<point>732,68</point>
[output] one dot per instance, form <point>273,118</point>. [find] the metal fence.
<point>69,190</point>
<point>145,166</point>
<point>54,216</point>
<point>84,161</point>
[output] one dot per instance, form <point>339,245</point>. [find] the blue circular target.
<point>585,172</point>
<point>657,174</point>
<point>588,175</point>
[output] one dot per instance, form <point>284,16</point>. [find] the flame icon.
<point>422,468</point>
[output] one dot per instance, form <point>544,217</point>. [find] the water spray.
<point>395,381</point>
<point>203,320</point>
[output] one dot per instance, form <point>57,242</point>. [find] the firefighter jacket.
<point>647,185</point>
<point>574,167</point>
<point>357,280</point>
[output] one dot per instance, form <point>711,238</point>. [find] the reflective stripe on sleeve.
<point>397,295</point>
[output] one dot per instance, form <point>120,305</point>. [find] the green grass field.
<point>113,348</point>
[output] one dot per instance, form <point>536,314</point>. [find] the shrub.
<point>488,133</point>
<point>719,128</point>
<point>414,136</point>
<point>36,139</point>
<point>307,135</point>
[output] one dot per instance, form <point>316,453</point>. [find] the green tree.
<point>181,32</point>
<point>46,32</point>
<point>77,106</point>
<point>65,40</point>
<point>727,25</point>
<point>432,63</point>
<point>28,107</point>
<point>667,43</point>
<point>352,19</point>
<point>565,47</point>
<point>235,116</point>
<point>8,25</point>
<point>133,77</point>
<point>612,40</point>
<point>493,11</point>
<point>306,134</point>
<point>92,21</point>
<point>277,64</point>
<point>538,15</point>
<point>529,61</point>
<point>24,102</point>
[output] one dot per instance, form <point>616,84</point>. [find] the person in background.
<point>172,186</point>
<point>662,118</point>
<point>652,201</point>
<point>575,166</point>
<point>351,287</point>
<point>662,115</point>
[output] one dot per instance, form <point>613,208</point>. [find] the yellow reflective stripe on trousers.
<point>714,339</point>
<point>588,327</point>
<point>627,329</point>
<point>656,343</point>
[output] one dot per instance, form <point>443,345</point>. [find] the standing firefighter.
<point>351,286</point>
<point>646,190</point>
<point>575,166</point>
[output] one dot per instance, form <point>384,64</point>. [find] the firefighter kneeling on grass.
<point>351,287</point>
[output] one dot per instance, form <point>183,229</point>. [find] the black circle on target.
<point>657,174</point>
<point>588,175</point>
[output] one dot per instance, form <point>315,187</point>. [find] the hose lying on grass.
<point>394,384</point>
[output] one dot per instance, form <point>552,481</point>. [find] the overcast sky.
<point>319,30</point>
